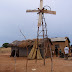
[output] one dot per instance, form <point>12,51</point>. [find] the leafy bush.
<point>5,45</point>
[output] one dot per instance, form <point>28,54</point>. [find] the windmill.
<point>41,12</point>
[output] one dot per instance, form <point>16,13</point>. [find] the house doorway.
<point>13,53</point>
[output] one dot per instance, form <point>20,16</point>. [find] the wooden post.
<point>15,60</point>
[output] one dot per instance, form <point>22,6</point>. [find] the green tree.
<point>5,45</point>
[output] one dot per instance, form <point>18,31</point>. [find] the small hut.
<point>21,47</point>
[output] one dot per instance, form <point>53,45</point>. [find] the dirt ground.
<point>7,64</point>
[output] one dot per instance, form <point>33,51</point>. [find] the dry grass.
<point>5,50</point>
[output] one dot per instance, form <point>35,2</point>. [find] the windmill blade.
<point>50,12</point>
<point>32,10</point>
<point>41,4</point>
<point>39,20</point>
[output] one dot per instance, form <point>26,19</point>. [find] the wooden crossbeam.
<point>49,12</point>
<point>42,11</point>
<point>32,10</point>
<point>40,14</point>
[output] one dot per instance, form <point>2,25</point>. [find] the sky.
<point>13,17</point>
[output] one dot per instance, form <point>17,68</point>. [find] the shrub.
<point>5,45</point>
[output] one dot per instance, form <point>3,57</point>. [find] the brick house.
<point>60,43</point>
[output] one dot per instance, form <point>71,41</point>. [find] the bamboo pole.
<point>15,60</point>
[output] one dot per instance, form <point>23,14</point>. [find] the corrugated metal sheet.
<point>58,39</point>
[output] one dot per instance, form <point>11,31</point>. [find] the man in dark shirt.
<point>60,53</point>
<point>56,51</point>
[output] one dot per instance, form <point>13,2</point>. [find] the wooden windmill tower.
<point>43,31</point>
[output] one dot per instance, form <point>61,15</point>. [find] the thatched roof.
<point>25,43</point>
<point>15,43</point>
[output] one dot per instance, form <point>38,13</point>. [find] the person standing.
<point>66,50</point>
<point>60,52</point>
<point>56,51</point>
<point>71,50</point>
